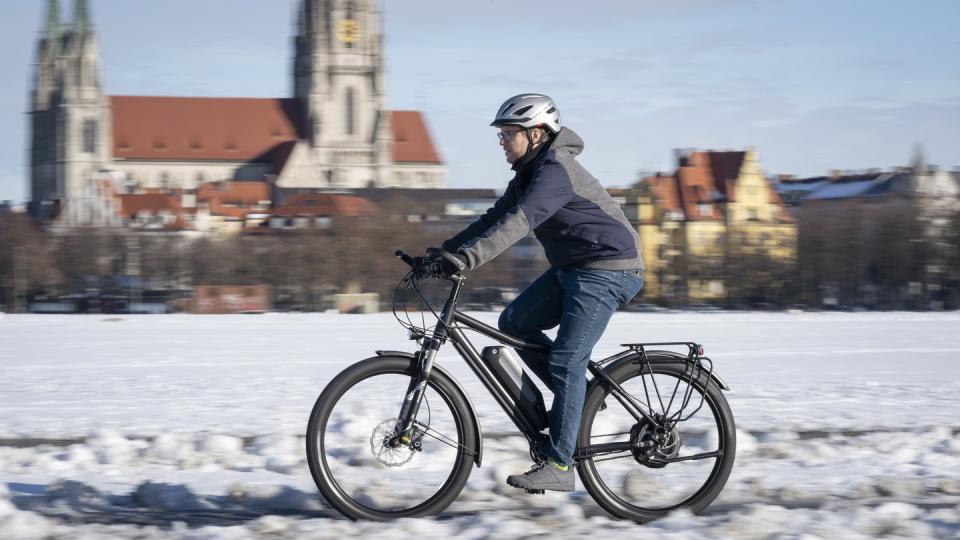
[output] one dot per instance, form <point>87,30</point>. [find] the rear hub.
<point>651,443</point>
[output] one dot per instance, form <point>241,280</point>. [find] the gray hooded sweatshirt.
<point>571,214</point>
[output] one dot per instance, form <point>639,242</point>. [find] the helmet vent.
<point>551,110</point>
<point>522,110</point>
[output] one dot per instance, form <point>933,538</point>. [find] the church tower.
<point>70,114</point>
<point>338,78</point>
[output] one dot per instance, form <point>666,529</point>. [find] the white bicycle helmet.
<point>529,111</point>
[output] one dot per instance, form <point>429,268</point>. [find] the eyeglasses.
<point>507,135</point>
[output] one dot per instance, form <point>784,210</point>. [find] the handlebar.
<point>433,252</point>
<point>403,256</point>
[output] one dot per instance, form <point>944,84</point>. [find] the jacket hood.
<point>566,141</point>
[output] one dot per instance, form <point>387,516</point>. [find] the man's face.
<point>513,142</point>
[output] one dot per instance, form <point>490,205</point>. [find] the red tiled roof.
<point>233,199</point>
<point>665,190</point>
<point>411,139</point>
<point>246,193</point>
<point>325,204</point>
<point>697,186</point>
<point>189,128</point>
<point>235,129</point>
<point>725,167</point>
<point>133,204</point>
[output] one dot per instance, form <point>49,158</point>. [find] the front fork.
<point>404,433</point>
<point>415,392</point>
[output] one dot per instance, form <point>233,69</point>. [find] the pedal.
<point>535,491</point>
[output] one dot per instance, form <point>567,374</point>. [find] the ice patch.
<point>161,496</point>
<point>274,498</point>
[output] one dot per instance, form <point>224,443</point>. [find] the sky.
<point>812,85</point>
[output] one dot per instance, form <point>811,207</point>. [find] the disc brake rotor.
<point>380,445</point>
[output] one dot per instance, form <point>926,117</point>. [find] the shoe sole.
<point>538,491</point>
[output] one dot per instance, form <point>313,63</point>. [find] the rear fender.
<point>655,357</point>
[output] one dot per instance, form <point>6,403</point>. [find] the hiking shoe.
<point>542,476</point>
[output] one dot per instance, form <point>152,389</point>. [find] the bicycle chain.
<point>611,435</point>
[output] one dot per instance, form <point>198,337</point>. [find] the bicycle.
<point>656,432</point>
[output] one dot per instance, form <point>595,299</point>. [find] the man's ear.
<point>539,135</point>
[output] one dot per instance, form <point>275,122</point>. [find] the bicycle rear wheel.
<point>658,470</point>
<point>350,459</point>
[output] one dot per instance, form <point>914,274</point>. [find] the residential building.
<point>889,221</point>
<point>716,210</point>
<point>318,210</point>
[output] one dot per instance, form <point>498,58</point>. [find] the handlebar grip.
<point>404,257</point>
<point>457,263</point>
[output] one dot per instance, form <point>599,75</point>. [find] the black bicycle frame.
<point>449,327</point>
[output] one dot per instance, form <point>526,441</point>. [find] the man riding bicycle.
<point>595,266</point>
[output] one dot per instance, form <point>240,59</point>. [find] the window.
<point>350,112</point>
<point>90,136</point>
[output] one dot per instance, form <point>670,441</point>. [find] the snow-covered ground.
<point>192,427</point>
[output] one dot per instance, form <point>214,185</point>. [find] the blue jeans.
<point>581,301</point>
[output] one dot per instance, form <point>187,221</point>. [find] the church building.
<point>333,133</point>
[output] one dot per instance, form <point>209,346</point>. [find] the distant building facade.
<point>716,207</point>
<point>891,221</point>
<point>335,132</point>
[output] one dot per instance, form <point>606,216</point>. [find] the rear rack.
<point>695,365</point>
<point>695,350</point>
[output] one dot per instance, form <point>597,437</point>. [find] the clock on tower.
<point>348,31</point>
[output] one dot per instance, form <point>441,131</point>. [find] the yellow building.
<point>714,220</point>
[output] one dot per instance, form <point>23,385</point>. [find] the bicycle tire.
<point>318,447</point>
<point>714,401</point>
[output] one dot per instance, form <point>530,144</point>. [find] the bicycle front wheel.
<point>656,469</point>
<point>359,472</point>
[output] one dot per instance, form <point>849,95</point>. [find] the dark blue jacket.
<point>570,213</point>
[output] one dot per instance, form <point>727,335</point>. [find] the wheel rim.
<point>388,481</point>
<point>632,481</point>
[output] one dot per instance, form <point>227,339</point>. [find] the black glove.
<point>426,267</point>
<point>433,267</point>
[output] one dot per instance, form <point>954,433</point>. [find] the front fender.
<point>478,453</point>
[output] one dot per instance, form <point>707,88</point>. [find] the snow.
<point>180,426</point>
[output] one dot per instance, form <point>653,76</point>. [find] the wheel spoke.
<point>655,466</point>
<point>427,430</point>
<point>366,472</point>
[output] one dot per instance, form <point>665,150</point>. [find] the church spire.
<point>53,26</point>
<point>81,17</point>
<point>918,163</point>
